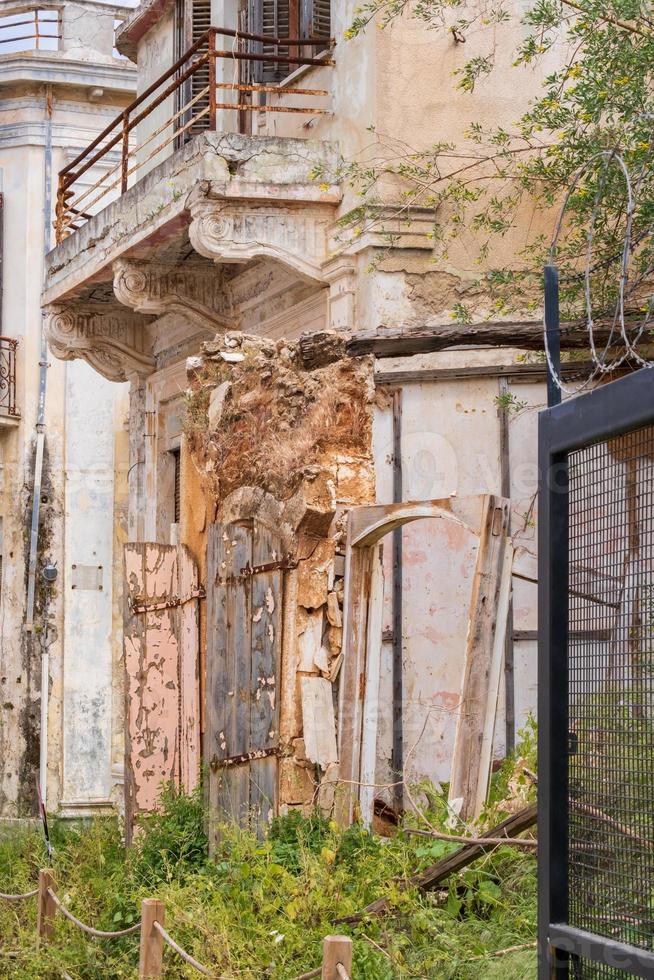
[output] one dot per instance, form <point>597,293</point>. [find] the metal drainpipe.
<point>38,463</point>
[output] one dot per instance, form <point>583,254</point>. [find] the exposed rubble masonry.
<point>281,432</point>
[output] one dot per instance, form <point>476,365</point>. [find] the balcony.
<point>212,88</point>
<point>8,411</point>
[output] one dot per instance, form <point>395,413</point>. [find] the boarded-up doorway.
<point>161,627</point>
<point>244,626</point>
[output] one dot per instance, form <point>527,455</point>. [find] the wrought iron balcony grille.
<point>186,100</point>
<point>8,348</point>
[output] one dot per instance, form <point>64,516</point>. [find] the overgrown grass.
<point>262,908</point>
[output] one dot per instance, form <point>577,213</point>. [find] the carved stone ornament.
<point>109,340</point>
<point>196,294</point>
<point>294,235</point>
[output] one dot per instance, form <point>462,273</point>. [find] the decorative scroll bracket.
<point>238,232</point>
<point>196,294</point>
<point>112,342</point>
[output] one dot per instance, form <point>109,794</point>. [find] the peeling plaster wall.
<point>78,451</point>
<point>87,581</point>
<point>155,56</point>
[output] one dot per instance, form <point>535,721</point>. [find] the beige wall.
<point>75,627</point>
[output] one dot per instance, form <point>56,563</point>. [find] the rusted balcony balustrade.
<point>31,29</point>
<point>184,101</point>
<point>8,407</point>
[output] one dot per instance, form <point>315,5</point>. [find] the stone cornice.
<point>111,341</point>
<point>195,294</point>
<point>51,67</point>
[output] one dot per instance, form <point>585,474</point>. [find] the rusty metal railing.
<point>8,347</point>
<point>189,92</point>
<point>36,25</point>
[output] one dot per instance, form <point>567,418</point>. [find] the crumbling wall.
<point>282,432</point>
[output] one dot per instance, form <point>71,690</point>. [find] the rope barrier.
<point>52,903</point>
<point>181,952</point>
<point>19,898</point>
<point>89,930</point>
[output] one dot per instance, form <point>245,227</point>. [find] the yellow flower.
<point>324,187</point>
<point>623,81</point>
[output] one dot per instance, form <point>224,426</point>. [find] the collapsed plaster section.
<point>280,433</point>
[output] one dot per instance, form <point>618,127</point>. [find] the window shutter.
<point>272,18</point>
<point>200,24</point>
<point>315,18</point>
<point>275,22</point>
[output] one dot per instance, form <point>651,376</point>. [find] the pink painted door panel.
<point>161,668</point>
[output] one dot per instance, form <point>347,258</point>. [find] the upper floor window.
<point>30,29</point>
<point>284,19</point>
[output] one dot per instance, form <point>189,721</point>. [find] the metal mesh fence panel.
<point>611,694</point>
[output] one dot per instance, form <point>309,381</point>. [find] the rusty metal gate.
<point>244,632</point>
<point>596,683</point>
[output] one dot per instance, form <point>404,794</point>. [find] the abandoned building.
<point>328,584</point>
<point>61,82</point>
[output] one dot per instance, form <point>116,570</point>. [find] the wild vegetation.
<point>262,907</point>
<point>590,123</point>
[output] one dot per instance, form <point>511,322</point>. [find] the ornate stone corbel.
<point>196,294</point>
<point>111,341</point>
<point>239,231</point>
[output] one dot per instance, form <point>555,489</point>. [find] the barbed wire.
<point>619,338</point>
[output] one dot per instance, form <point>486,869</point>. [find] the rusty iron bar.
<point>8,347</point>
<point>286,564</point>
<point>275,89</point>
<point>238,760</point>
<point>278,59</point>
<point>141,604</point>
<point>272,108</point>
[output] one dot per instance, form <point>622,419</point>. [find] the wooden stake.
<point>466,772</point>
<point>151,952</point>
<point>335,950</point>
<point>46,906</point>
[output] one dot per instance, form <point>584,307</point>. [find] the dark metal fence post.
<point>553,331</point>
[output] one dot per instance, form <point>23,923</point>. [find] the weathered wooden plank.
<point>189,672</point>
<point>352,676</point>
<point>497,658</point>
<point>319,722</point>
<point>466,762</point>
<point>228,671</point>
<point>266,605</point>
<point>521,334</point>
<point>371,705</point>
<point>432,876</point>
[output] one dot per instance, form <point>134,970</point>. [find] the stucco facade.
<point>56,94</point>
<point>226,241</point>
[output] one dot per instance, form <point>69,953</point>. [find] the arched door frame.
<point>485,516</point>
